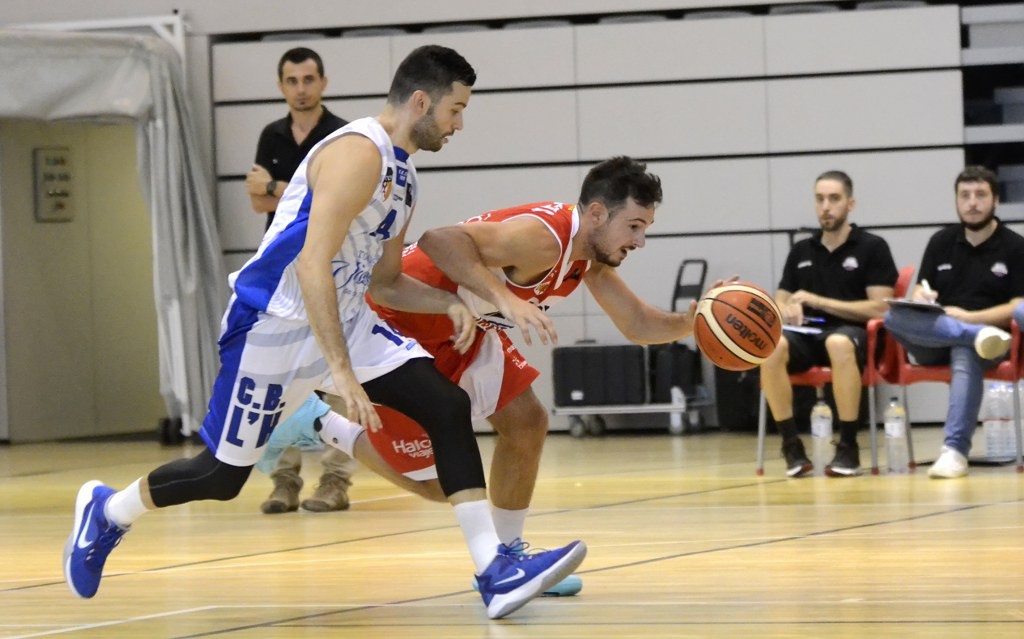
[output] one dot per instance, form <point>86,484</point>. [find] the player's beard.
<point>601,255</point>
<point>980,224</point>
<point>426,134</point>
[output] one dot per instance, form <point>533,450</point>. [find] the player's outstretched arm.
<point>638,321</point>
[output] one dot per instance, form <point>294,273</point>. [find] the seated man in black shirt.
<point>835,280</point>
<point>975,269</point>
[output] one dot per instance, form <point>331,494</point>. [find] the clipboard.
<point>926,307</point>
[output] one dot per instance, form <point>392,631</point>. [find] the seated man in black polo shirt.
<point>835,280</point>
<point>975,269</point>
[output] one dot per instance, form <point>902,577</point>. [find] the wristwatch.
<point>271,187</point>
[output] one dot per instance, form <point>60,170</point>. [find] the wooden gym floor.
<point>684,542</point>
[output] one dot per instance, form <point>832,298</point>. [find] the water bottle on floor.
<point>896,437</point>
<point>997,424</point>
<point>821,434</point>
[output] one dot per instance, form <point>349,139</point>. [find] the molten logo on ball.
<point>745,332</point>
<point>737,326</point>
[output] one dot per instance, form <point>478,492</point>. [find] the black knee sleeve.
<point>200,477</point>
<point>419,391</point>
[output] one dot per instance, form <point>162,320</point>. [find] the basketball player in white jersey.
<point>510,266</point>
<point>298,321</point>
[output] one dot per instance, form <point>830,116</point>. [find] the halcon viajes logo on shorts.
<point>417,448</point>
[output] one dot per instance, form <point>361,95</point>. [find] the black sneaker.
<point>797,464</point>
<point>846,463</point>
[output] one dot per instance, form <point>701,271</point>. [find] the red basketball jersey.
<point>431,331</point>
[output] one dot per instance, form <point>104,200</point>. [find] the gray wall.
<point>80,340</point>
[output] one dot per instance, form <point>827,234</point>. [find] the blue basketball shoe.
<point>568,587</point>
<point>91,540</point>
<point>298,431</point>
<point>514,577</point>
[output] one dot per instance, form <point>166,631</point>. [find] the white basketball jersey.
<point>268,281</point>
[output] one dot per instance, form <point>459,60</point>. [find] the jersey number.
<point>383,231</point>
<point>380,330</point>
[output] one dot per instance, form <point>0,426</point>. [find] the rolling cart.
<point>661,391</point>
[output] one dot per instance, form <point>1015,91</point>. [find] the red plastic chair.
<point>895,369</point>
<point>818,376</point>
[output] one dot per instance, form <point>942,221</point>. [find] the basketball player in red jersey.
<point>509,266</point>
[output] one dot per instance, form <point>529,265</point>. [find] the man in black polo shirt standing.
<point>282,146</point>
<point>285,143</point>
<point>835,280</point>
<point>976,271</point>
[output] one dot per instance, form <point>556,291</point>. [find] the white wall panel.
<point>673,121</point>
<point>862,40</point>
<point>899,187</point>
<point>239,227</point>
<point>712,195</point>
<point>504,59</point>
<point>856,112</point>
<point>239,127</point>
<point>672,50</point>
<point>512,128</point>
<point>353,66</point>
<point>448,197</point>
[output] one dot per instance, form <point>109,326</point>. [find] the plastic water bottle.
<point>896,437</point>
<point>997,424</point>
<point>821,434</point>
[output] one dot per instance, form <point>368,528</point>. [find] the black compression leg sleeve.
<point>200,477</point>
<point>419,391</point>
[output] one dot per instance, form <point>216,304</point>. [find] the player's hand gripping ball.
<point>737,326</point>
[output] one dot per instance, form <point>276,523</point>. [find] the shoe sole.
<point>277,508</point>
<point>502,605</point>
<point>799,471</point>
<point>314,506</point>
<point>992,346</point>
<point>942,475</point>
<point>568,587</point>
<point>83,499</point>
<point>843,472</point>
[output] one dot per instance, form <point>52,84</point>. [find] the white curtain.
<point>102,77</point>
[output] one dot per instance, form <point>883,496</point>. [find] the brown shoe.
<point>284,498</point>
<point>331,494</point>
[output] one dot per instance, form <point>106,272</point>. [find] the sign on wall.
<point>54,187</point>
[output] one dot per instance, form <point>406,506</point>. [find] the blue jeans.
<point>936,340</point>
<point>1018,315</point>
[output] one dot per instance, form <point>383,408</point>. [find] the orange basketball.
<point>737,326</point>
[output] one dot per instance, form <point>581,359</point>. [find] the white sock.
<point>125,506</point>
<point>478,529</point>
<point>509,523</point>
<point>340,432</point>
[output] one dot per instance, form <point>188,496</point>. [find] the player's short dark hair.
<point>978,174</point>
<point>838,176</point>
<point>299,55</point>
<point>614,181</point>
<point>430,68</point>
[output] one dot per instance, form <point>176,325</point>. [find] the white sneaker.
<point>950,465</point>
<point>992,342</point>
